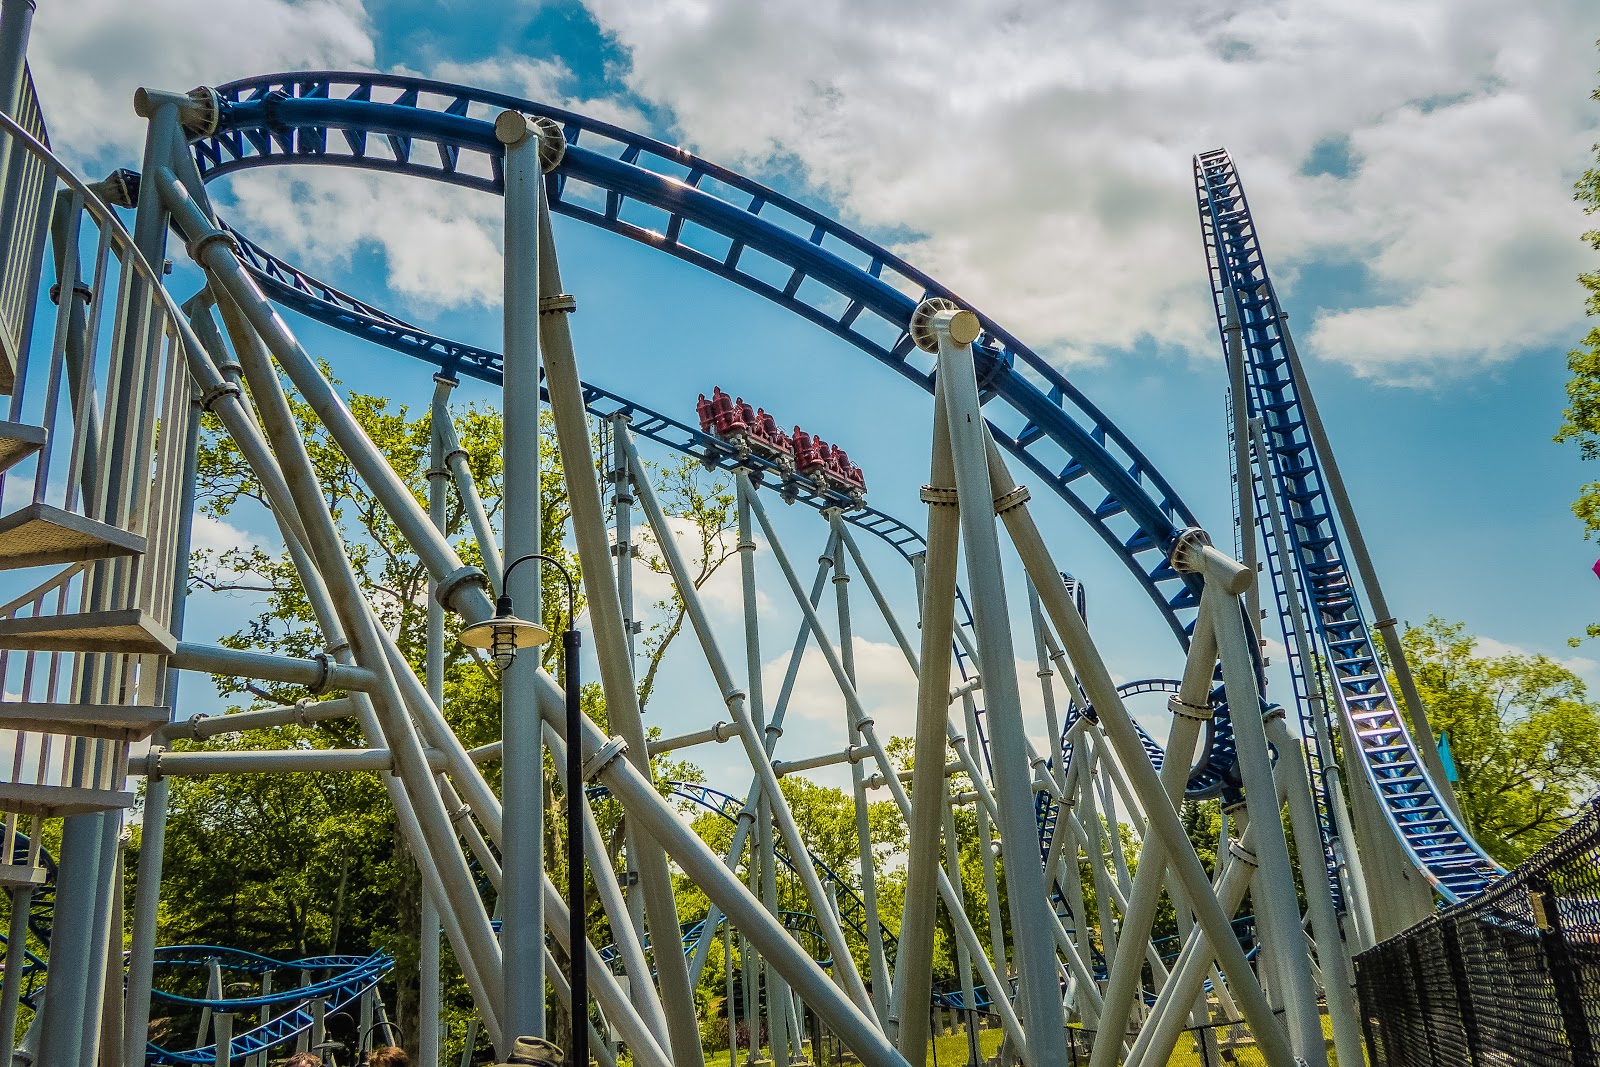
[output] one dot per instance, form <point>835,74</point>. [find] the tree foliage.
<point>1581,423</point>
<point>1524,736</point>
<point>310,864</point>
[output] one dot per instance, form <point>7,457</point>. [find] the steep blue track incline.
<point>1432,836</point>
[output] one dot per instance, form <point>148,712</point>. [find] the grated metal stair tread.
<point>60,801</point>
<point>18,441</point>
<point>127,630</point>
<point>119,722</point>
<point>41,534</point>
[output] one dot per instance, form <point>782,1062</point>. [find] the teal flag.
<point>1447,758</point>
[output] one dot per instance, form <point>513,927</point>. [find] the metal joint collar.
<point>598,762</point>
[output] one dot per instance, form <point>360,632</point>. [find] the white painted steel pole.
<point>428,990</point>
<point>764,866</point>
<point>881,992</point>
<point>16,934</point>
<point>522,755</point>
<point>622,517</point>
<point>1162,817</point>
<point>1338,981</point>
<point>1243,470</point>
<point>929,789</point>
<point>61,1020</point>
<point>605,613</point>
<point>1026,896</point>
<point>1277,908</point>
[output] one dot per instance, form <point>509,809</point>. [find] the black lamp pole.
<point>577,907</point>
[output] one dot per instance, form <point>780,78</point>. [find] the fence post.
<point>1368,1009</point>
<point>1458,978</point>
<point>1569,998</point>
<point>1419,990</point>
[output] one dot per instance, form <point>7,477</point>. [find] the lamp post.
<point>502,636</point>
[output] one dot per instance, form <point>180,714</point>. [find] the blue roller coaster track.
<point>280,119</point>
<point>735,228</point>
<point>293,288</point>
<point>349,978</point>
<point>1431,834</point>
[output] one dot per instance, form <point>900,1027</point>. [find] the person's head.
<point>388,1056</point>
<point>303,1059</point>
<point>535,1052</point>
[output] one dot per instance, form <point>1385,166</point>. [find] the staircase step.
<point>18,441</point>
<point>119,722</point>
<point>41,534</point>
<point>59,801</point>
<point>127,630</point>
<point>14,875</point>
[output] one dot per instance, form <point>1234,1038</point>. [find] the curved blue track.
<point>1432,836</point>
<point>322,302</point>
<point>350,977</point>
<point>739,230</point>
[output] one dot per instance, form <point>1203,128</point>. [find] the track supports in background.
<point>1110,783</point>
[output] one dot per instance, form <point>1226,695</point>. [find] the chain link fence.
<point>1511,977</point>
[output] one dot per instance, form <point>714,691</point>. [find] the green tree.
<point>1582,415</point>
<point>1524,736</point>
<point>308,863</point>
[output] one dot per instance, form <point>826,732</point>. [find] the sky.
<point>1409,165</point>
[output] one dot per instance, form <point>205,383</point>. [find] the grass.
<point>950,1050</point>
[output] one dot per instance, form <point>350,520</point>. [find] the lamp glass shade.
<point>512,631</point>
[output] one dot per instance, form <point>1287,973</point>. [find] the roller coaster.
<point>1085,836</point>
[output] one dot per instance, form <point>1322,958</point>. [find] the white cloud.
<point>1584,667</point>
<point>540,80</point>
<point>441,246</point>
<point>1042,152</point>
<point>88,56</point>
<point>217,535</point>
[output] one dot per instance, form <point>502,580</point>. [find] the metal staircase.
<point>93,448</point>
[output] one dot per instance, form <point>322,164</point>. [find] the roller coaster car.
<point>828,466</point>
<point>799,457</point>
<point>749,430</point>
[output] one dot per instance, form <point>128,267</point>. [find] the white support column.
<point>428,987</point>
<point>1277,908</point>
<point>929,790</point>
<point>522,788</point>
<point>1029,905</point>
<point>1162,816</point>
<point>763,856</point>
<point>1338,981</point>
<point>622,517</point>
<point>869,875</point>
<point>605,613</point>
